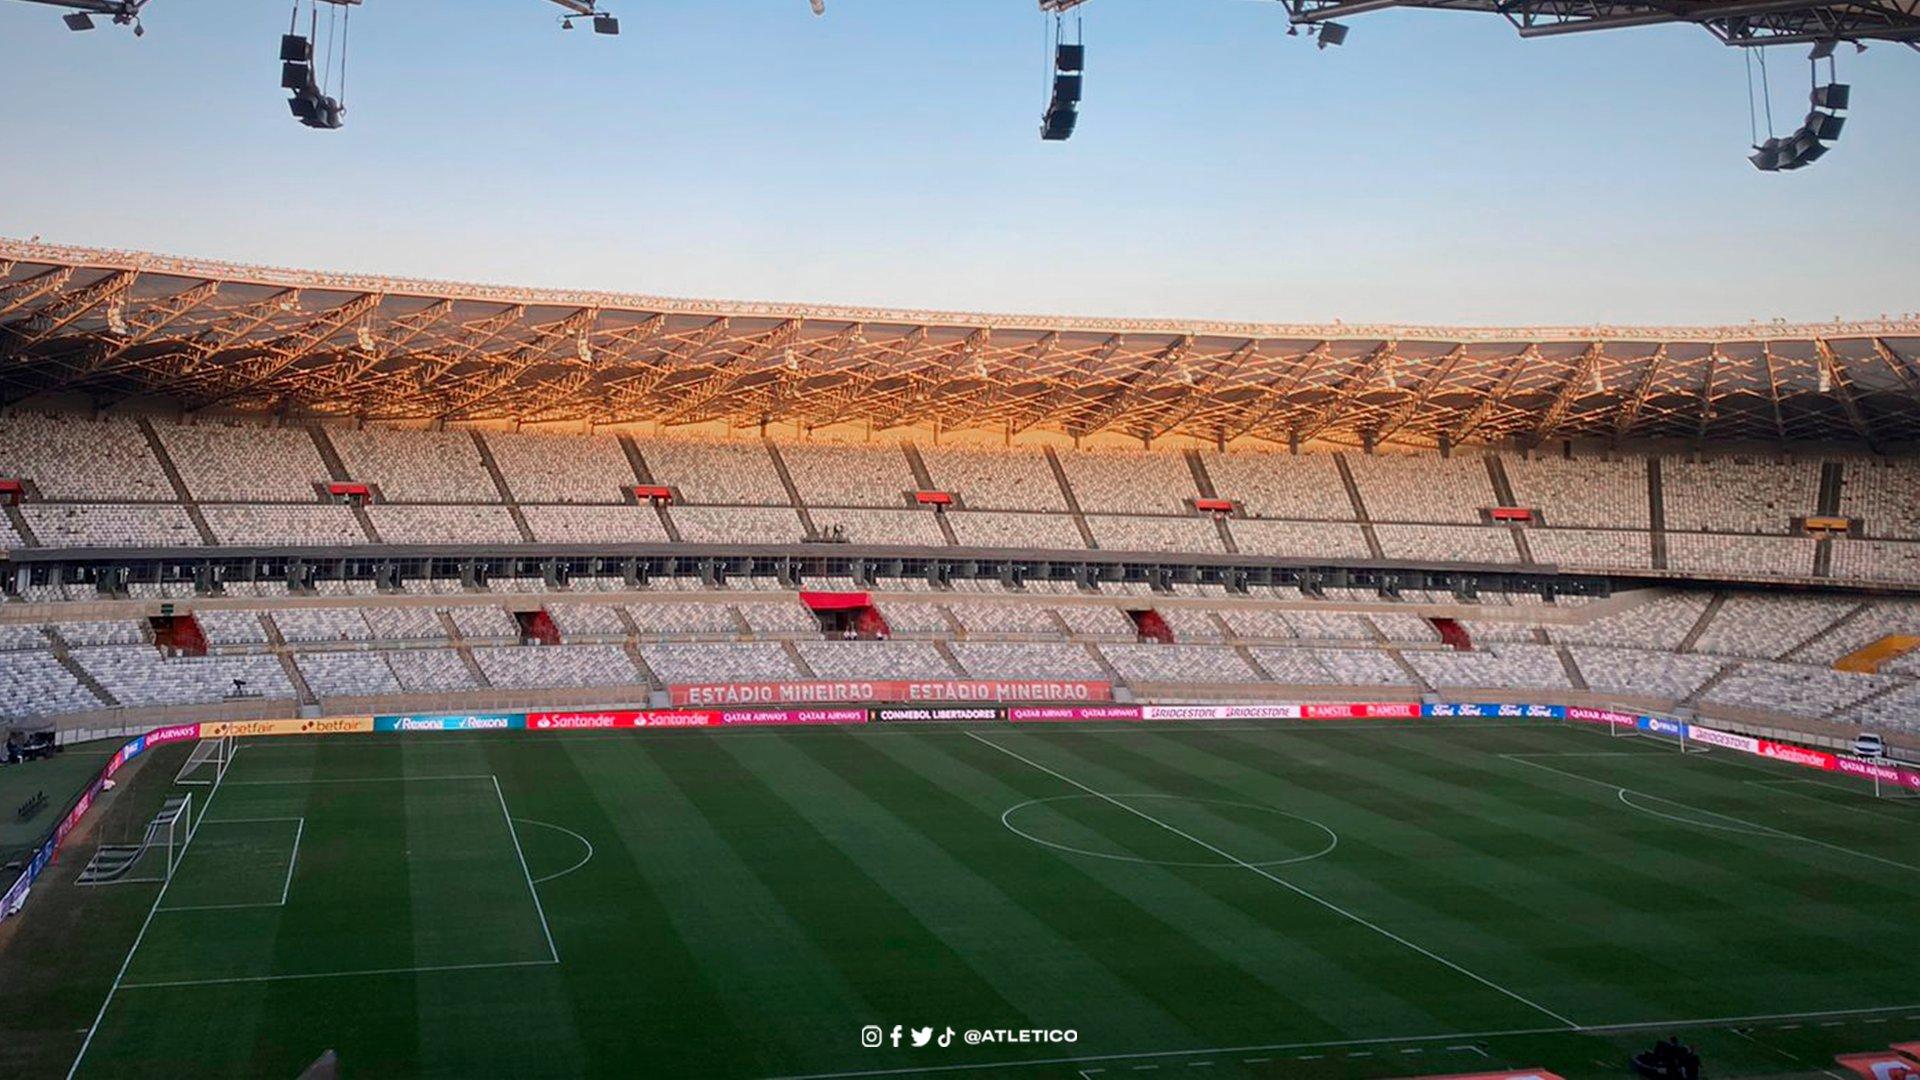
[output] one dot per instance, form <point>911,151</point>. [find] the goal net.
<point>207,762</point>
<point>154,857</point>
<point>1675,738</point>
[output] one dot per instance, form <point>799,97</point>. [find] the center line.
<point>1283,883</point>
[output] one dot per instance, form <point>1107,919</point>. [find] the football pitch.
<point>1366,899</point>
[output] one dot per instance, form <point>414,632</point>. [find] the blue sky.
<point>1435,169</point>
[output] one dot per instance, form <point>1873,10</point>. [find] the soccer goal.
<point>1676,739</point>
<point>207,762</point>
<point>154,858</point>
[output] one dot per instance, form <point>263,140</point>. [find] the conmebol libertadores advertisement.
<point>890,714</point>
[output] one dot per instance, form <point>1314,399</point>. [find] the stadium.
<point>1079,697</point>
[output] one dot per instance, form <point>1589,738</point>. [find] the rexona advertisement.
<point>451,722</point>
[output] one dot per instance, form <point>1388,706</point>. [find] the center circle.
<point>1092,825</point>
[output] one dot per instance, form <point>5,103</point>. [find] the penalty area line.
<point>238,979</point>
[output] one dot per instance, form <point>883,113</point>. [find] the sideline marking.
<point>1285,884</point>
<point>531,891</point>
<point>1782,833</point>
<point>569,832</point>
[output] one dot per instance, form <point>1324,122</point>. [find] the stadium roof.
<point>224,337</point>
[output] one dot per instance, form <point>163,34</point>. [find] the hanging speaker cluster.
<point>1808,144</point>
<point>309,105</point>
<point>1063,111</point>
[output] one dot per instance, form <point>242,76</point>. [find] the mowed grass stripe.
<point>1499,879</point>
<point>1662,895</point>
<point>1635,896</point>
<point>1359,880</point>
<point>1396,968</point>
<point>879,945</point>
<point>1512,873</point>
<point>696,965</point>
<point>1038,930</point>
<point>635,986</point>
<point>1232,972</point>
<point>377,1026</point>
<point>468,882</point>
<point>337,1014</point>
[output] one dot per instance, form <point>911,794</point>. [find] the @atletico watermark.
<point>874,1036</point>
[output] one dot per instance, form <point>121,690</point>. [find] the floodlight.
<point>1825,126</point>
<point>1831,96</point>
<point>77,21</point>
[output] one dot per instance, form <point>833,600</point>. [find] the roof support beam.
<point>289,349</point>
<point>1357,382</point>
<point>58,314</point>
<point>1491,400</point>
<point>1843,391</point>
<point>1773,394</point>
<point>1706,398</point>
<point>1578,381</point>
<point>1630,408</point>
<point>27,291</point>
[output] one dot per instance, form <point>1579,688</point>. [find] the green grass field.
<point>1280,900</point>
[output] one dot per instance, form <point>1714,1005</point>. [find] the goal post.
<point>207,763</point>
<point>155,858</point>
